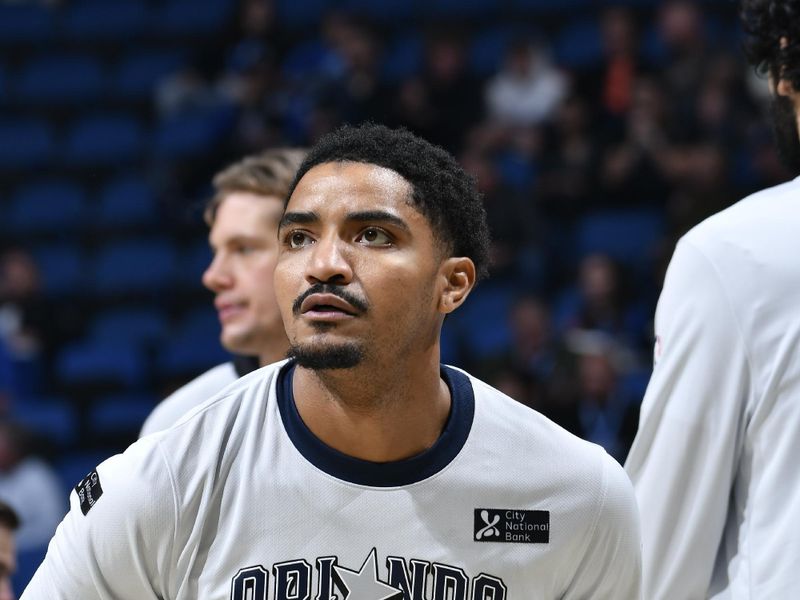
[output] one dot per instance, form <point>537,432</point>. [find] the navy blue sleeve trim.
<point>388,474</point>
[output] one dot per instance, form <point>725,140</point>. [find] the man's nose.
<point>217,275</point>
<point>329,261</point>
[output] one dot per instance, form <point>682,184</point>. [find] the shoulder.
<point>555,453</point>
<point>197,391</point>
<point>751,228</point>
<point>219,425</point>
<point>738,259</point>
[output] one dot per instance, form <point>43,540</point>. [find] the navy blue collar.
<point>388,474</point>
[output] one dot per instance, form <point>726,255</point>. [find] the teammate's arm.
<point>683,459</point>
<point>117,539</point>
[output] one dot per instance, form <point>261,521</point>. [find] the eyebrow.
<point>364,216</point>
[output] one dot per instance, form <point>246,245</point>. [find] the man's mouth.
<point>229,310</point>
<point>327,306</point>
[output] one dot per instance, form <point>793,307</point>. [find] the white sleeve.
<point>121,548</point>
<point>682,462</point>
<point>611,568</point>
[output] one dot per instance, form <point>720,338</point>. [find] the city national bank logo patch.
<point>89,491</point>
<point>512,526</point>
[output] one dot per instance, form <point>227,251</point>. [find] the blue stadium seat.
<point>101,362</point>
<point>483,319</point>
<point>134,266</point>
<point>104,140</point>
<point>119,414</point>
<point>74,466</point>
<point>190,134</point>
<point>388,12</point>
<point>313,58</point>
<point>54,420</point>
<point>402,57</point>
<point>127,200</point>
<point>191,17</point>
<point>200,324</point>
<point>61,80</point>
<point>62,268</point>
<point>194,263</point>
<point>47,206</point>
<point>28,23</point>
<point>292,14</point>
<point>25,142</point>
<point>135,325</point>
<point>138,73</point>
<point>93,20</point>
<point>537,7</point>
<point>28,560</point>
<point>630,237</point>
<point>488,48</point>
<point>194,346</point>
<point>459,9</point>
<point>579,45</point>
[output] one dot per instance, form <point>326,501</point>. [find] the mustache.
<point>359,304</point>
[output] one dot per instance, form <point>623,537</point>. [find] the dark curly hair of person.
<point>765,23</point>
<point>442,191</point>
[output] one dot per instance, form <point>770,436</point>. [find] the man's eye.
<point>298,239</point>
<point>374,237</point>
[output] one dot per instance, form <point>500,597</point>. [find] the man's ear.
<point>458,275</point>
<point>785,88</point>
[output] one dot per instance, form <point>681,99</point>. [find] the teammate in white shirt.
<point>361,468</point>
<point>243,218</point>
<point>715,460</point>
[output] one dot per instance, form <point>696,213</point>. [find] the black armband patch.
<point>89,491</point>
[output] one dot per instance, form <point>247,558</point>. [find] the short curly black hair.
<point>765,23</point>
<point>442,191</point>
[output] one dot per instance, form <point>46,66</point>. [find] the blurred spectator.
<point>512,219</point>
<point>451,94</point>
<point>530,360</point>
<point>605,415</point>
<point>568,180</point>
<point>188,89</point>
<point>24,319</point>
<point>635,168</point>
<point>528,89</point>
<point>684,33</point>
<point>9,522</point>
<point>21,306</point>
<point>30,486</point>
<point>601,302</point>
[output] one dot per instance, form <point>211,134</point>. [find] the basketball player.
<point>243,216</point>
<point>715,461</point>
<point>361,468</point>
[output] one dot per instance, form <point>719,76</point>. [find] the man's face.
<point>8,562</point>
<point>244,241</point>
<point>358,275</point>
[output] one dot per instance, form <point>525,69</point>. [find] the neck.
<point>392,416</point>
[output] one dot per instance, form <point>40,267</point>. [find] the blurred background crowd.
<point>598,132</point>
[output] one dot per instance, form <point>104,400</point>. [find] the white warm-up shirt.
<point>239,500</point>
<point>716,462</point>
<point>187,397</point>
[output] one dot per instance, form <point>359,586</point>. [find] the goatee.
<point>318,358</point>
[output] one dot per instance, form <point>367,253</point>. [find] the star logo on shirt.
<point>364,584</point>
